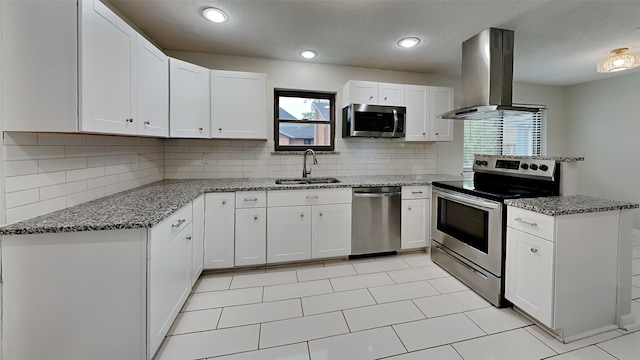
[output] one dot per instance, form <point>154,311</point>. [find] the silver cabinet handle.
<point>532,224</point>
<point>255,218</point>
<point>385,98</point>
<point>301,215</point>
<point>320,214</point>
<point>147,122</point>
<point>251,199</point>
<point>371,97</point>
<point>178,223</point>
<point>129,120</point>
<point>534,250</point>
<point>188,237</point>
<point>416,192</point>
<point>409,209</point>
<point>312,197</point>
<point>224,203</point>
<point>200,129</point>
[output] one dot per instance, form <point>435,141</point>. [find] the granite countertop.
<point>148,205</point>
<point>555,158</point>
<point>567,205</point>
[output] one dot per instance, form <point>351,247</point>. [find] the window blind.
<point>522,135</point>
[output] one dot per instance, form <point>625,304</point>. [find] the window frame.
<point>309,94</point>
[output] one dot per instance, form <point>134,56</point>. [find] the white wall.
<point>604,127</point>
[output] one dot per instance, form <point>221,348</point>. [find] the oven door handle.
<point>466,199</point>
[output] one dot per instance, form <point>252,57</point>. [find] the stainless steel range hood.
<point>487,78</point>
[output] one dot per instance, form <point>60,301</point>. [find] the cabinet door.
<point>288,234</point>
<point>440,101</point>
<point>188,100</point>
<point>169,285</point>
<point>415,223</point>
<point>331,230</point>
<point>108,70</point>
<point>391,94</point>
<point>360,92</point>
<point>238,105</point>
<point>153,90</point>
<point>219,230</point>
<point>417,103</point>
<point>251,236</point>
<point>529,275</point>
<point>197,263</point>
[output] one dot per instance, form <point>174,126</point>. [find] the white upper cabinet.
<point>424,104</point>
<point>91,63</point>
<point>153,90</point>
<point>440,101</point>
<point>238,105</point>
<point>189,100</point>
<point>360,92</point>
<point>108,66</point>
<point>372,93</point>
<point>391,94</point>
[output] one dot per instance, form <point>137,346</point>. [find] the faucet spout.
<point>306,172</point>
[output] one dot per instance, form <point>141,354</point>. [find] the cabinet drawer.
<point>309,197</point>
<point>531,222</point>
<point>251,199</point>
<point>169,227</point>
<point>416,192</point>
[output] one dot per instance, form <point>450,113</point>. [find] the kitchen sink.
<point>303,181</point>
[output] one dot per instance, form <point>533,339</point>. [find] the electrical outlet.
<point>368,160</point>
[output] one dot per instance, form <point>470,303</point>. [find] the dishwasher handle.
<point>375,195</point>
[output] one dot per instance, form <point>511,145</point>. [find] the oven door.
<point>469,226</point>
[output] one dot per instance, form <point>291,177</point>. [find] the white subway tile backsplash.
<point>24,182</point>
<point>27,152</point>
<point>24,167</point>
<point>54,191</point>
<point>47,172</point>
<point>35,209</point>
<point>20,198</point>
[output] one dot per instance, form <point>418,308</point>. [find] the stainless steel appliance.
<point>487,77</point>
<point>362,120</point>
<point>375,220</point>
<point>468,235</point>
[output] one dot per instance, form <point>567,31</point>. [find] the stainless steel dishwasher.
<point>375,226</point>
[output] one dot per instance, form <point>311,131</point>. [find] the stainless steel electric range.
<point>468,230</point>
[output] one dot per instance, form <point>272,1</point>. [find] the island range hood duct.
<point>487,78</point>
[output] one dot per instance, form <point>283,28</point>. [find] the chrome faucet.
<point>304,165</point>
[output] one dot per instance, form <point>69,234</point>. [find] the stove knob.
<point>524,166</point>
<point>478,162</point>
<point>484,163</point>
<point>533,167</point>
<point>543,167</point>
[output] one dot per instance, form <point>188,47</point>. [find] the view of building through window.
<point>304,120</point>
<point>522,135</point>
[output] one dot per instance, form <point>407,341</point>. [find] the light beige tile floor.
<point>402,307</point>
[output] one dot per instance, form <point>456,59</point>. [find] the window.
<point>304,120</point>
<point>521,135</point>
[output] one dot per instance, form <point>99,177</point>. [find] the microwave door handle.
<point>395,121</point>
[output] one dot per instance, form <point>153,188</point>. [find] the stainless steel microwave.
<point>362,120</point>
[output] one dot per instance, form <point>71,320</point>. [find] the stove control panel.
<point>521,166</point>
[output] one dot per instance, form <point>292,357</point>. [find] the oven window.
<point>465,223</point>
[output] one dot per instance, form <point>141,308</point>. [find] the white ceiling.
<point>557,42</point>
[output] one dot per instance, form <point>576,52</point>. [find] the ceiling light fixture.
<point>215,15</point>
<point>308,54</point>
<point>409,42</point>
<point>619,60</point>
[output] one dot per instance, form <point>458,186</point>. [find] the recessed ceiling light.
<point>409,42</point>
<point>215,15</point>
<point>308,54</point>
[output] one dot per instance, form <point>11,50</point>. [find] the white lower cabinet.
<point>306,224</point>
<point>251,228</point>
<point>288,233</point>
<point>415,215</point>
<point>219,230</point>
<point>562,270</point>
<point>197,262</point>
<point>330,230</point>
<point>530,274</point>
